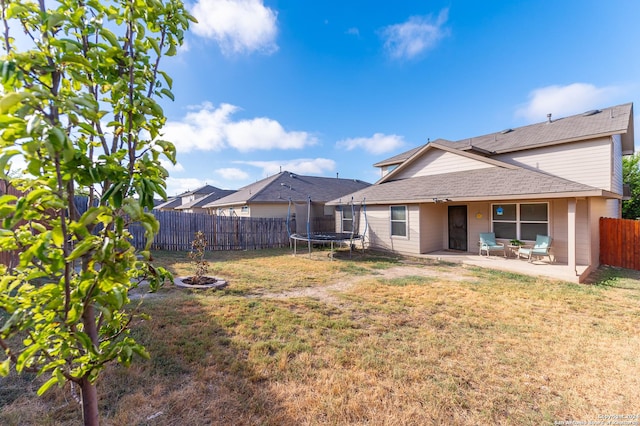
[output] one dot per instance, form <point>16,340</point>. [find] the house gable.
<point>435,159</point>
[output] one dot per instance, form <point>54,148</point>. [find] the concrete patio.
<point>558,271</point>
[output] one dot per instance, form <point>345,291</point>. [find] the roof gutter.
<point>489,198</point>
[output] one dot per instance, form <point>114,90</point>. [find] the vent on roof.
<point>591,112</point>
<point>505,131</point>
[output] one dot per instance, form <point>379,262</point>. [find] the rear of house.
<point>554,178</point>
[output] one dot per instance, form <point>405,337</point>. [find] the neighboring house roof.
<point>588,125</point>
<point>481,184</point>
<point>285,185</point>
<point>206,189</point>
<point>171,203</point>
<point>200,202</point>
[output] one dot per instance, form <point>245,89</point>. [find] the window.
<point>245,209</point>
<point>399,221</point>
<point>522,221</point>
<point>347,219</point>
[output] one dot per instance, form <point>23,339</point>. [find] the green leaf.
<point>154,43</point>
<point>81,249</point>
<point>57,137</point>
<point>4,159</point>
<point>111,38</point>
<point>168,94</point>
<point>171,51</point>
<point>54,20</point>
<point>88,128</point>
<point>47,385</point>
<point>9,100</point>
<point>5,367</point>
<point>89,216</point>
<point>75,59</point>
<point>168,79</point>
<point>25,356</point>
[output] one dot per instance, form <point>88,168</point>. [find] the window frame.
<point>347,219</point>
<point>518,220</point>
<point>405,221</point>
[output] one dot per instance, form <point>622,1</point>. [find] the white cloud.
<point>176,186</point>
<point>238,26</point>
<point>171,167</point>
<point>264,133</point>
<point>212,129</point>
<point>379,143</point>
<point>415,36</point>
<point>562,101</point>
<point>202,129</point>
<point>353,31</point>
<point>303,166</point>
<point>232,173</point>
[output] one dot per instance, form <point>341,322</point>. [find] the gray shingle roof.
<point>206,189</point>
<point>169,204</point>
<point>279,188</point>
<point>487,183</point>
<point>608,121</point>
<point>200,202</point>
<point>613,120</point>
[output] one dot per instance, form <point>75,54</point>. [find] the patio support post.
<point>571,234</point>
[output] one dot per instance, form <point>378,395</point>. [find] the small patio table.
<point>513,250</point>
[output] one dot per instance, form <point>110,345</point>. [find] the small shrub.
<point>199,263</point>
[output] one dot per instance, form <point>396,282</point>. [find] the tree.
<point>79,106</point>
<point>631,177</point>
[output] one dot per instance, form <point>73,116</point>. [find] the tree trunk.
<point>89,392</point>
<point>89,403</point>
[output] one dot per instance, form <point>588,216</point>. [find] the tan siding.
<point>583,233</point>
<point>432,217</point>
<point>558,213</point>
<point>379,233</point>
<point>479,221</point>
<point>598,208</point>
<point>275,210</point>
<point>616,176</point>
<point>612,209</point>
<point>380,230</point>
<point>587,162</point>
<point>436,162</point>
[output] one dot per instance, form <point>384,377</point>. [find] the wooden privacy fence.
<point>620,242</point>
<point>177,230</point>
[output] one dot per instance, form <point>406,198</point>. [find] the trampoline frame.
<point>327,237</point>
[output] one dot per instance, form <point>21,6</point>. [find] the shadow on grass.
<point>167,257</point>
<point>196,373</point>
<point>611,276</point>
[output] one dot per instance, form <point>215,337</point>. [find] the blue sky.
<point>330,87</point>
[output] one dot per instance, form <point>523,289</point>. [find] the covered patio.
<point>556,270</point>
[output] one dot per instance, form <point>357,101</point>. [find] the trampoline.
<point>331,238</point>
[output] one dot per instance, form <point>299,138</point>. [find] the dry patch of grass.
<point>440,344</point>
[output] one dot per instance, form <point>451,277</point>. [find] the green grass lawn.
<point>369,340</point>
